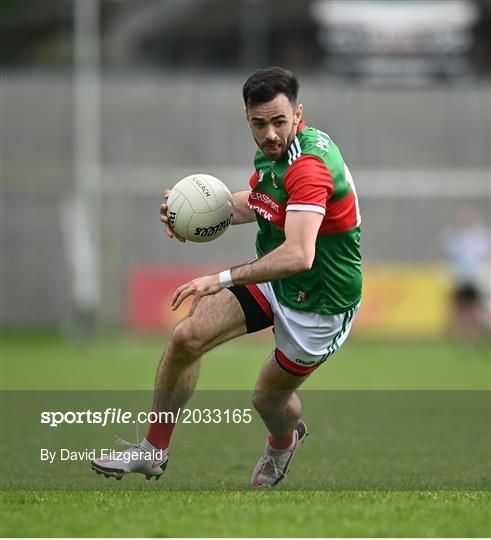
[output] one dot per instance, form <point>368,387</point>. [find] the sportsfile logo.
<point>113,415</point>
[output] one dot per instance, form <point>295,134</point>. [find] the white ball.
<point>200,208</point>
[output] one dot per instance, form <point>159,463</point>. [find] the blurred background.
<point>105,103</point>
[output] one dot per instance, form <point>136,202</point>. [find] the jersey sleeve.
<point>253,180</point>
<point>309,185</point>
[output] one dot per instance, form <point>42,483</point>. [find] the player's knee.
<point>187,340</point>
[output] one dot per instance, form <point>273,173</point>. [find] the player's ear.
<point>246,114</point>
<point>297,115</point>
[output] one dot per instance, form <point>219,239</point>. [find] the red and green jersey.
<point>311,176</point>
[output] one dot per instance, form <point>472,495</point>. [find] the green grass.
<point>242,514</point>
<point>37,361</point>
<point>354,477</point>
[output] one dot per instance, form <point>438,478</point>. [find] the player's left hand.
<point>202,286</point>
<point>164,218</point>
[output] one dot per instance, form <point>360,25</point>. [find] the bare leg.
<point>216,319</point>
<point>275,398</point>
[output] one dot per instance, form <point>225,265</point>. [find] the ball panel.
<point>182,219</point>
<point>221,191</point>
<point>174,198</point>
<point>174,203</point>
<point>224,207</point>
<point>206,227</point>
<point>205,191</point>
<point>198,200</point>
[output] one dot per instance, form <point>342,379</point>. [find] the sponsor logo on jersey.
<point>266,207</point>
<point>263,197</point>
<point>261,211</point>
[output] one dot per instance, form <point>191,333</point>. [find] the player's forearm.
<point>282,262</point>
<point>242,212</point>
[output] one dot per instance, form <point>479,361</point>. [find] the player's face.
<point>274,125</point>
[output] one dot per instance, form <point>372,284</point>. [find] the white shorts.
<point>304,340</point>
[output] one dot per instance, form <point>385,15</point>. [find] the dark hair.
<point>265,84</point>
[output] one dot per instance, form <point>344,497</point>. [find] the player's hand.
<point>198,287</point>
<point>165,220</point>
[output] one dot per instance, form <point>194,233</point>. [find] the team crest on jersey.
<point>261,175</point>
<point>302,296</point>
<point>273,179</point>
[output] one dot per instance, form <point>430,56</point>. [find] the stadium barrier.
<point>398,300</point>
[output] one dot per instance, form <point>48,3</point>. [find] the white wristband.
<point>225,278</point>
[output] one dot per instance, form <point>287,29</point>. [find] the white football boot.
<point>140,458</point>
<point>274,463</point>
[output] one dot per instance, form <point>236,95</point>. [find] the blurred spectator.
<point>465,245</point>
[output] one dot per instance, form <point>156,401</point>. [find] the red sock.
<point>159,434</point>
<point>280,444</point>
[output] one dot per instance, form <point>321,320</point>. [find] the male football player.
<point>305,281</point>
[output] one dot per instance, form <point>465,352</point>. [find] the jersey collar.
<point>301,125</point>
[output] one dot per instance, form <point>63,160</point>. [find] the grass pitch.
<point>73,501</point>
<point>246,513</point>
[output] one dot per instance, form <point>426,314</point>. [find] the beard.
<point>286,144</point>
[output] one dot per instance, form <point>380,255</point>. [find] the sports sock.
<point>159,434</point>
<point>280,444</point>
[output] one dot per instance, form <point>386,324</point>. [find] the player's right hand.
<point>165,220</point>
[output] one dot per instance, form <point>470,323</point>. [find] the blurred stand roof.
<point>397,41</point>
<point>403,41</point>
